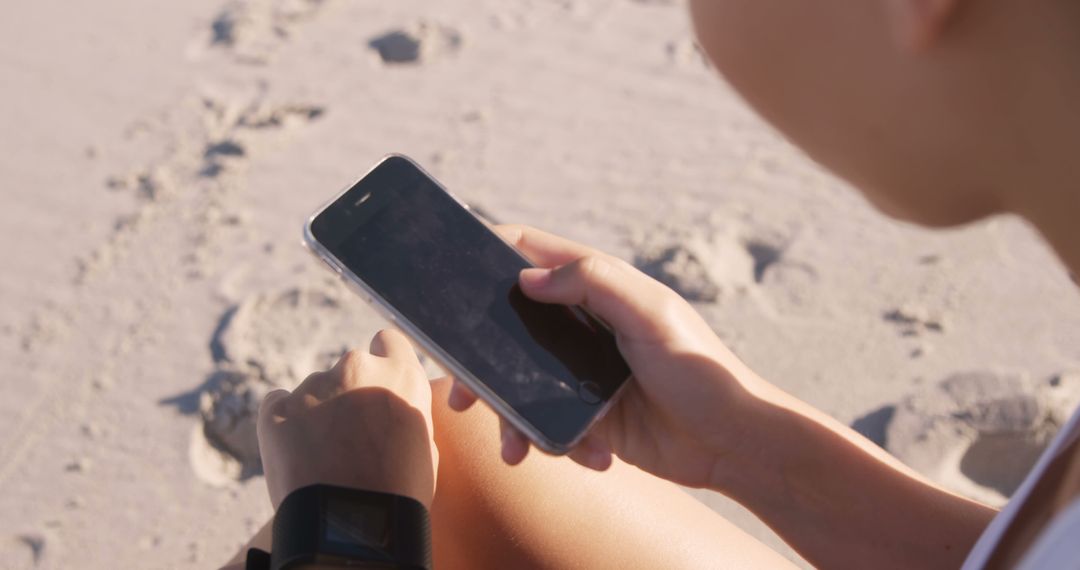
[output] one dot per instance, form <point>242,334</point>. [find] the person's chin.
<point>929,209</point>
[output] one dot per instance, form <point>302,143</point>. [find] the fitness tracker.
<point>323,526</point>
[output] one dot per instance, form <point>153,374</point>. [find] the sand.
<point>158,160</point>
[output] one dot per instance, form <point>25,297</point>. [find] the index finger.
<point>542,248</point>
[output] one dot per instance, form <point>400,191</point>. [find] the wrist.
<point>745,459</point>
<point>788,452</point>
<point>330,526</point>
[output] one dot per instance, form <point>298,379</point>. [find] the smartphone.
<point>446,279</point>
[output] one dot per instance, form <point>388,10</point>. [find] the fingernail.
<point>598,459</point>
<point>535,277</point>
<point>503,450</point>
<point>455,400</point>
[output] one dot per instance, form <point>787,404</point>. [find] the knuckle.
<point>355,359</point>
<point>593,267</point>
<point>668,304</point>
<point>320,378</point>
<point>351,357</point>
<point>272,403</point>
<point>667,309</point>
<point>515,229</point>
<point>513,233</point>
<point>313,377</point>
<point>623,265</point>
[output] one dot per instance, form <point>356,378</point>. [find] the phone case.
<point>429,347</point>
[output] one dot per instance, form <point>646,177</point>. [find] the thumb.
<point>628,300</point>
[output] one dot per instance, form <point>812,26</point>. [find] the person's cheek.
<point>774,55</point>
<point>728,32</point>
<point>813,71</point>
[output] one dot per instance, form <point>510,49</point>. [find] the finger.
<point>461,398</point>
<point>318,384</point>
<point>542,248</point>
<point>273,406</point>
<point>514,445</point>
<point>623,297</point>
<point>593,453</point>
<point>393,344</point>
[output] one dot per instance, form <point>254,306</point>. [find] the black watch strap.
<point>337,525</point>
<point>257,560</point>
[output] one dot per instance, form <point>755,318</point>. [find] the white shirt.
<point>1058,546</point>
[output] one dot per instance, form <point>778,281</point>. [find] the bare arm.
<point>838,499</point>
<point>696,415</point>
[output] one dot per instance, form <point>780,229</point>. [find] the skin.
<point>698,416</point>
<point>385,382</point>
<point>549,512</point>
<point>371,404</point>
<point>940,112</point>
<point>485,513</point>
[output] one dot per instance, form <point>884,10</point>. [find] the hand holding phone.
<point>681,412</point>
<point>513,317</point>
<point>449,282</point>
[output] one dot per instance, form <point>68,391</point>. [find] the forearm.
<point>838,499</point>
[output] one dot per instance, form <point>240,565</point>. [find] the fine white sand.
<point>157,161</point>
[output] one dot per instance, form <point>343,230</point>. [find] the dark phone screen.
<point>456,281</point>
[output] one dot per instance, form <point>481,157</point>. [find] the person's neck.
<point>1045,186</point>
<point>1044,181</point>
<point>1048,196</point>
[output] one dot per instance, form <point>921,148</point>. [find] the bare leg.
<point>551,513</point>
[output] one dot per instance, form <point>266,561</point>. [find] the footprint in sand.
<point>957,431</point>
<point>271,340</point>
<point>264,115</point>
<point>724,261</point>
<point>253,30</point>
<point>416,44</point>
<point>229,131</point>
<point>236,130</point>
<point>149,185</point>
<point>35,543</point>
<point>913,319</point>
<point>702,266</point>
<point>231,135</point>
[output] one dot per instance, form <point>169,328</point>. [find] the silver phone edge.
<point>388,312</point>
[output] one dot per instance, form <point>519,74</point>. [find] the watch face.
<point>356,523</point>
<point>352,565</point>
<point>347,564</point>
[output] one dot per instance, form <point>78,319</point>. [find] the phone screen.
<point>456,282</point>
